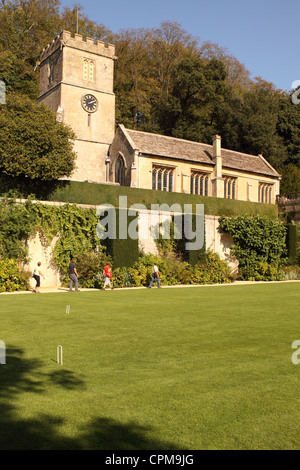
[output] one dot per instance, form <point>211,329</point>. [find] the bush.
<point>263,271</point>
<point>90,269</point>
<point>173,271</point>
<point>12,277</point>
<point>290,273</point>
<point>214,271</point>
<point>259,245</point>
<point>122,278</point>
<point>141,271</point>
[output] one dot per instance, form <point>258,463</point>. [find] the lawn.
<point>158,369</point>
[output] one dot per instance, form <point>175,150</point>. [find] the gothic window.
<point>120,171</point>
<point>51,73</point>
<point>154,178</point>
<point>229,187</point>
<point>192,184</point>
<point>165,181</point>
<point>85,69</point>
<point>88,70</point>
<point>265,193</point>
<point>170,181</point>
<point>159,173</point>
<point>162,178</point>
<point>199,183</point>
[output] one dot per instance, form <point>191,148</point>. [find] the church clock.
<point>89,103</point>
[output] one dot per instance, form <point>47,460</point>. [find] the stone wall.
<point>40,251</point>
<point>215,240</point>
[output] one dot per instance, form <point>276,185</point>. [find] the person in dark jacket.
<point>73,276</point>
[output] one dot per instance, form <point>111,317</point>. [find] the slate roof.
<point>170,147</point>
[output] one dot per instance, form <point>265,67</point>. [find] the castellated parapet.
<point>88,44</point>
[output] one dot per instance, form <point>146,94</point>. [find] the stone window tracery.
<point>230,187</point>
<point>162,178</point>
<point>120,171</point>
<point>265,193</point>
<point>199,183</point>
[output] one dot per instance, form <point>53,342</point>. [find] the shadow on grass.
<point>21,375</point>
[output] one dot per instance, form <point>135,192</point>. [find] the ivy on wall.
<point>74,227</point>
<point>259,245</point>
<point>16,226</point>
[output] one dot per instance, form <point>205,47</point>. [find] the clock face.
<point>89,103</point>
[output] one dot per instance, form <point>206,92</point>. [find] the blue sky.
<point>264,35</point>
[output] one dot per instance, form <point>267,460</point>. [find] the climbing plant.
<point>16,226</point>
<point>74,227</point>
<point>259,245</point>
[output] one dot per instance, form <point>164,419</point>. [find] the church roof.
<point>173,148</point>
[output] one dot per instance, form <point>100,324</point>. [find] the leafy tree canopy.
<point>32,142</point>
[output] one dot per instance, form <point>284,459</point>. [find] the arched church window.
<point>154,178</point>
<point>120,171</point>
<point>159,175</point>
<point>192,184</point>
<point>265,193</point>
<point>170,181</point>
<point>230,185</point>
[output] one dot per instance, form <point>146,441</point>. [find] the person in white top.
<point>155,276</point>
<point>37,273</point>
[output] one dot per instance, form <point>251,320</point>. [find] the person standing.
<point>107,275</point>
<point>73,276</point>
<point>37,273</point>
<point>155,276</point>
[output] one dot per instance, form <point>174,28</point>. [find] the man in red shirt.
<point>107,274</point>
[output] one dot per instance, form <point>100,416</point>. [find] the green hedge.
<point>123,252</point>
<point>291,242</point>
<point>193,257</point>
<point>97,194</point>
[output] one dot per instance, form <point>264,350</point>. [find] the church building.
<point>76,82</point>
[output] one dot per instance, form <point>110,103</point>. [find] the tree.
<point>26,26</point>
<point>247,122</point>
<point>144,72</point>
<point>288,126</point>
<point>290,182</point>
<point>134,84</point>
<point>237,74</point>
<point>32,142</point>
<point>198,89</point>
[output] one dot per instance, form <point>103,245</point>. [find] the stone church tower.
<point>76,82</point>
